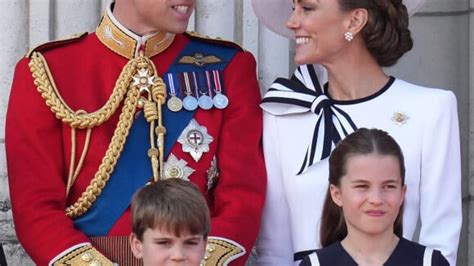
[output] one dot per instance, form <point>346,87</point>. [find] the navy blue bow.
<point>300,94</point>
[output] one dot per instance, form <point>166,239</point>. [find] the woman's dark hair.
<point>362,142</point>
<point>386,33</point>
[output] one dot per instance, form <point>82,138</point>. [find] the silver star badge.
<point>143,80</point>
<point>195,140</point>
<point>400,118</point>
<point>175,168</point>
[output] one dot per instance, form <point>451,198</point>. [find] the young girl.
<point>362,213</point>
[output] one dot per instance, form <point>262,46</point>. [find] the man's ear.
<point>136,246</point>
<point>335,194</point>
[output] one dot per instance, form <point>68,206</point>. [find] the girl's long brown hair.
<point>362,142</point>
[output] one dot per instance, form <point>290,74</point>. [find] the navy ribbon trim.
<point>133,169</point>
<point>300,255</point>
<point>303,90</point>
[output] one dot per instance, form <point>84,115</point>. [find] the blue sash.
<point>133,169</point>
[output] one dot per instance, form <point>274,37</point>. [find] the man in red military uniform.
<point>93,118</point>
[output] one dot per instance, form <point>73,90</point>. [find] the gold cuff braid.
<point>84,256</point>
<point>221,251</point>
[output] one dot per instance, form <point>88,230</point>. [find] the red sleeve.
<point>35,170</point>
<point>240,193</point>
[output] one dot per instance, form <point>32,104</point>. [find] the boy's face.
<point>160,247</point>
<point>162,15</point>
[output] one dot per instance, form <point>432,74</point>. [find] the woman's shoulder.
<point>407,89</point>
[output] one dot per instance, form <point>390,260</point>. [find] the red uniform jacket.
<point>85,71</point>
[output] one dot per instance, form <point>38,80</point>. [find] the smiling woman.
<point>119,95</point>
<point>339,86</point>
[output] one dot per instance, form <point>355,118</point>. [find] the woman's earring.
<point>348,36</point>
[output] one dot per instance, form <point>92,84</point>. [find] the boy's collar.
<point>127,43</point>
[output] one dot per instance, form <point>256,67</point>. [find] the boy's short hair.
<point>174,205</point>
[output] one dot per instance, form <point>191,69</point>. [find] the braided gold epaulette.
<point>56,43</point>
<point>217,40</point>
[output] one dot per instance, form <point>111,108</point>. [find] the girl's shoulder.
<point>411,253</point>
<point>333,255</point>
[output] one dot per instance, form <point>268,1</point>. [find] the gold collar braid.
<point>126,44</point>
<point>150,95</point>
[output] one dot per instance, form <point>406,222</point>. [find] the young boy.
<point>170,223</point>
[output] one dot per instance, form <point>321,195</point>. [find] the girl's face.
<point>319,27</point>
<point>370,194</point>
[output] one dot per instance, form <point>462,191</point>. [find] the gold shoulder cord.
<point>155,92</point>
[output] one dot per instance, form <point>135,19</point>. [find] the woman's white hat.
<point>275,13</point>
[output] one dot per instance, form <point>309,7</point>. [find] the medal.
<point>190,103</point>
<point>175,168</point>
<point>195,140</point>
<point>174,104</point>
<point>220,100</point>
<point>205,102</point>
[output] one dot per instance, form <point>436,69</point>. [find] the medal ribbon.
<point>217,81</point>
<point>187,84</point>
<point>300,94</point>
<point>171,84</point>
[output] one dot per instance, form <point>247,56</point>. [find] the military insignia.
<point>108,33</point>
<point>175,168</point>
<point>174,103</point>
<point>143,80</point>
<point>195,140</point>
<point>212,174</point>
<point>199,59</point>
<point>190,103</point>
<point>219,100</point>
<point>205,102</point>
<point>400,118</point>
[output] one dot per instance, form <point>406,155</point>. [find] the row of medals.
<point>190,103</point>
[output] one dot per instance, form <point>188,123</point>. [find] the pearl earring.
<point>348,36</point>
